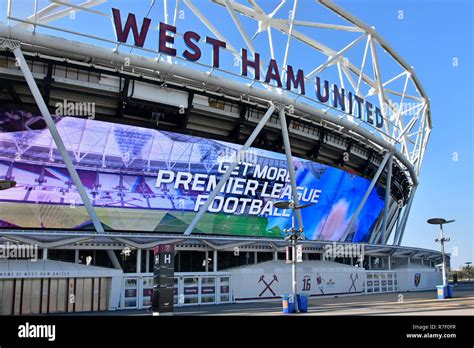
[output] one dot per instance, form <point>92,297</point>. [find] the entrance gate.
<point>381,281</point>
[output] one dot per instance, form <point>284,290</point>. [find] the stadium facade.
<point>118,146</point>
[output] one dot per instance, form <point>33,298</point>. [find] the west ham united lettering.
<point>333,95</point>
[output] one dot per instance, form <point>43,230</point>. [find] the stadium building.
<point>174,125</point>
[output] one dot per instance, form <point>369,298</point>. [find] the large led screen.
<point>155,181</point>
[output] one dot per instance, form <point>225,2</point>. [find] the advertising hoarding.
<point>148,180</point>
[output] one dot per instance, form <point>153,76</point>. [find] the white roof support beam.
<point>243,33</point>
<point>146,245</point>
<point>165,11</point>
<point>46,15</point>
<point>239,26</point>
<point>407,96</point>
<point>366,195</point>
<point>348,76</point>
<point>202,210</point>
<point>14,46</point>
<point>282,2</point>
<point>398,116</point>
<point>176,11</point>
<point>332,59</point>
<point>209,26</point>
<point>232,246</point>
<point>290,34</point>
<point>270,42</point>
<point>419,139</point>
<point>328,26</point>
<point>79,7</point>
<point>63,242</point>
<point>364,59</point>
<point>403,73</point>
<point>228,246</point>
<point>380,90</point>
<point>50,245</point>
<point>410,124</point>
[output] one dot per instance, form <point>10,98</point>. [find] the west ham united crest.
<point>417,279</point>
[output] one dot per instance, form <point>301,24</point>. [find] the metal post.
<point>147,261</point>
<point>401,227</point>
<point>387,199</point>
<point>56,136</point>
<point>229,171</point>
<point>206,264</point>
<point>392,220</point>
<point>291,167</point>
<point>45,253</point>
<point>367,194</point>
<point>139,261</point>
<point>113,259</point>
<point>293,269</point>
<point>445,280</point>
<point>214,261</point>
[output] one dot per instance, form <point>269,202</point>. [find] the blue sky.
<point>429,37</point>
<point>431,34</point>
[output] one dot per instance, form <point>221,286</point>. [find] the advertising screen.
<point>147,180</point>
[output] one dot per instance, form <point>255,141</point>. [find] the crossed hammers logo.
<point>267,285</point>
<point>353,280</point>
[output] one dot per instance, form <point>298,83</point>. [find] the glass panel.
<point>224,289</point>
<point>208,289</point>
<point>175,291</point>
<point>147,285</point>
<point>376,284</point>
<point>190,290</point>
<point>130,293</point>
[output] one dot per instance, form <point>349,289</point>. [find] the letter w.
<point>122,33</point>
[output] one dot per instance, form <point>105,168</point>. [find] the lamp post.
<point>442,240</point>
<point>468,269</point>
<point>293,236</point>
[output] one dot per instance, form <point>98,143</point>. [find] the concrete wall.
<point>273,278</point>
<point>428,277</point>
